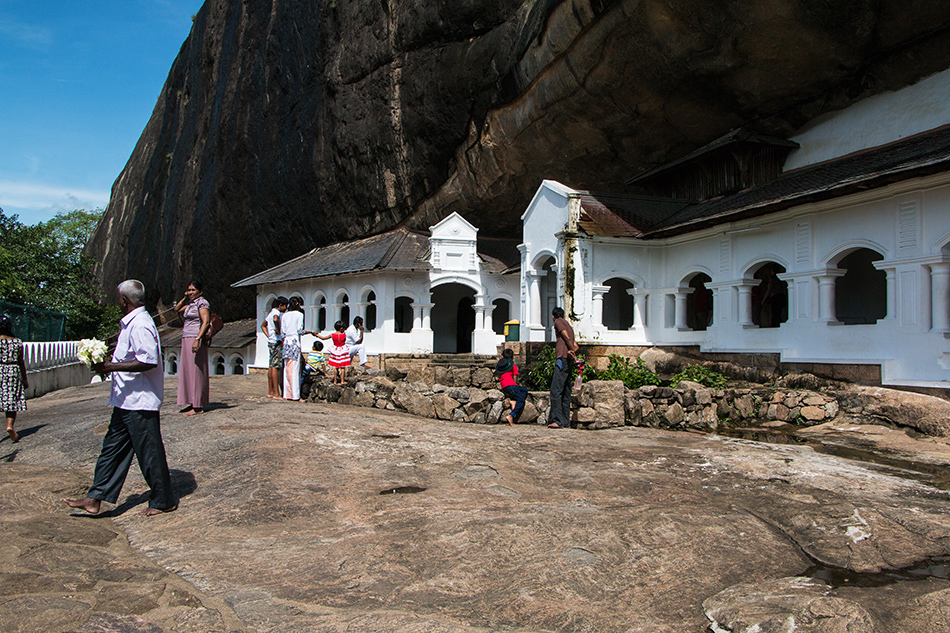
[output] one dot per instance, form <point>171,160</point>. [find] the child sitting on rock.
<point>507,372</point>
<point>314,364</point>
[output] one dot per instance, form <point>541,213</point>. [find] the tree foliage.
<point>43,265</point>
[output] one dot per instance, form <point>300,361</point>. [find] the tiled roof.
<point>739,135</point>
<point>399,249</point>
<point>625,216</point>
<point>650,217</point>
<point>234,335</point>
<point>919,155</point>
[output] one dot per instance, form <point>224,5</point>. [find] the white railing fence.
<point>50,354</point>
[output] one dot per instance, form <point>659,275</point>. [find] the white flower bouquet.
<point>91,351</point>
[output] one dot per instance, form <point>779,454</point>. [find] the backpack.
<point>215,325</point>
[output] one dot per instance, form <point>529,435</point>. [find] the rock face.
<point>288,125</point>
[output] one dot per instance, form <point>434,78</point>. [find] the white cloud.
<point>37,202</point>
<point>25,34</point>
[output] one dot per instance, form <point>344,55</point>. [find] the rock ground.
<point>309,517</point>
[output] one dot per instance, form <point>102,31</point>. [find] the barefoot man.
<point>137,392</point>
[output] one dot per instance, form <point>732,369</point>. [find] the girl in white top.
<point>291,327</point>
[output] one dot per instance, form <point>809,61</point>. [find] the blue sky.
<point>78,82</point>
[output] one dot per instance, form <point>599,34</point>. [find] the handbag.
<point>215,325</point>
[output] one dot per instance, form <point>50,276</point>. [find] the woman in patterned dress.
<point>291,327</point>
<point>193,390</point>
<point>339,352</point>
<point>13,380</point>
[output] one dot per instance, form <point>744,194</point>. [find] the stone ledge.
<point>466,395</point>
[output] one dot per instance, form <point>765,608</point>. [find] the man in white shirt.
<point>137,392</point>
<point>354,340</point>
<point>275,361</point>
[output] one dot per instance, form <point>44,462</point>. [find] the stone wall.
<point>472,395</point>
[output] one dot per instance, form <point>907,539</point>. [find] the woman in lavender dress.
<point>193,360</point>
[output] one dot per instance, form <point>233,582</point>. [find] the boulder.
<point>674,415</point>
<point>778,412</point>
<point>814,415</point>
<point>396,374</point>
<point>444,406</point>
<point>529,414</point>
<point>661,361</point>
<point>383,386</point>
<point>458,393</point>
<point>606,398</point>
<point>461,377</point>
<point>493,415</point>
<point>927,414</point>
<point>744,406</point>
<point>411,401</point>
<point>495,395</point>
<point>483,377</point>
<point>787,604</point>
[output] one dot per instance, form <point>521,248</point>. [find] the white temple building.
<point>830,248</point>
<point>417,293</point>
<point>833,248</point>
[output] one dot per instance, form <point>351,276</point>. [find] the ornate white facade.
<point>857,277</point>
<point>434,294</point>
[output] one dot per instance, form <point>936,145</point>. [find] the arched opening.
<point>453,318</point>
<point>322,314</point>
<point>402,315</point>
<point>699,303</point>
<point>548,289</point>
<point>618,305</point>
<point>172,365</point>
<point>500,315</point>
<point>861,294</point>
<point>770,297</point>
<point>238,366</point>
<point>345,309</point>
<point>219,366</point>
<point>370,320</point>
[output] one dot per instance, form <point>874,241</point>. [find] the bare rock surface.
<point>309,517</point>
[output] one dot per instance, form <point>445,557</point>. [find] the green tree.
<point>43,265</point>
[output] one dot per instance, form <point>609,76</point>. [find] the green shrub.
<point>704,376</point>
<point>542,369</point>
<point>632,374</point>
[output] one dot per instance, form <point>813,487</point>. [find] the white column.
<point>940,296</point>
<point>416,316</point>
<point>534,297</point>
<point>597,306</point>
<point>426,315</point>
<point>826,296</point>
<point>679,314</point>
<point>745,304</point>
<point>891,292</point>
<point>639,307</point>
<point>479,308</point>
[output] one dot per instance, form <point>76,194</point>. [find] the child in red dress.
<point>339,352</point>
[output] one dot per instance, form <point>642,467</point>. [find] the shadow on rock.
<point>23,433</point>
<point>183,484</point>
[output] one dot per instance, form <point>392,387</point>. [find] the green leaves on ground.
<point>633,374</point>
<point>542,369</point>
<point>703,375</point>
